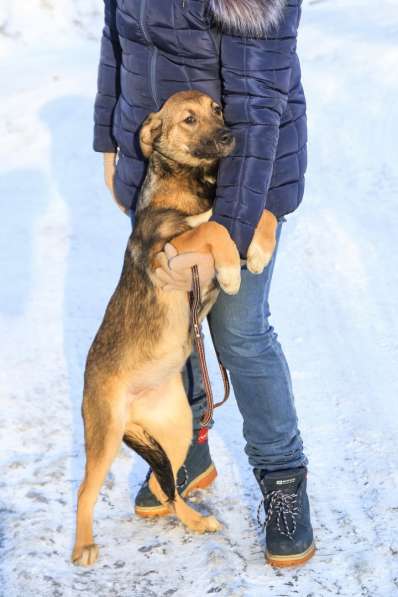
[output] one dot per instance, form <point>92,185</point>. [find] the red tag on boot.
<point>202,435</point>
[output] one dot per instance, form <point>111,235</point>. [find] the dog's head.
<point>189,129</point>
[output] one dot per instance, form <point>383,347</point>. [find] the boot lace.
<point>285,508</point>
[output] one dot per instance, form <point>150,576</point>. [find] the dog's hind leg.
<point>152,452</point>
<point>169,422</point>
<point>104,427</point>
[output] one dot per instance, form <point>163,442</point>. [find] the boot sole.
<point>202,481</point>
<point>292,560</point>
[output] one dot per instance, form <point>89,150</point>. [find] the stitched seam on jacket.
<point>295,152</point>
<point>183,64</point>
<point>107,95</point>
<point>292,121</point>
<point>237,205</point>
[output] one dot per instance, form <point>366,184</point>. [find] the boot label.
<point>202,435</point>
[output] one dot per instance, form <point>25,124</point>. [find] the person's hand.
<point>174,271</point>
<point>109,175</point>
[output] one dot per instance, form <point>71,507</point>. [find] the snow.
<point>334,303</point>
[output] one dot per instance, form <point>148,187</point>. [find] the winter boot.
<point>289,536</point>
<point>198,472</point>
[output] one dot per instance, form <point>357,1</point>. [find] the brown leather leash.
<point>195,302</point>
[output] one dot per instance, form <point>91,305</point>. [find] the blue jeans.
<point>248,347</point>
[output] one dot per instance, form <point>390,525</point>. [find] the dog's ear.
<point>150,131</point>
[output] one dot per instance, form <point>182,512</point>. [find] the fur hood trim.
<point>251,18</point>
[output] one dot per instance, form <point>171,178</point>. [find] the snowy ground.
<point>334,304</point>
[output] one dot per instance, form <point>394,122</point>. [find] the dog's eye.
<point>190,120</point>
<point>217,110</point>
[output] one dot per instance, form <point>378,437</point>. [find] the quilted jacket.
<point>240,52</point>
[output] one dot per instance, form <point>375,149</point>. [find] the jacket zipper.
<point>152,69</point>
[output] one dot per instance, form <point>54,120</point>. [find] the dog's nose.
<point>224,137</point>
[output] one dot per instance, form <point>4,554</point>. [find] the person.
<point>243,54</point>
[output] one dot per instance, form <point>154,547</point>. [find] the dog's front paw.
<point>212,525</point>
<point>86,555</point>
<point>205,524</point>
<point>229,279</point>
<point>258,257</point>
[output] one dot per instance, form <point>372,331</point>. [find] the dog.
<point>133,390</point>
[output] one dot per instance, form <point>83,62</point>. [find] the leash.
<point>195,304</point>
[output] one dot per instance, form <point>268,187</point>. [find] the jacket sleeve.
<point>256,78</point>
<point>108,87</point>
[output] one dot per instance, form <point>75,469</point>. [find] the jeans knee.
<point>234,346</point>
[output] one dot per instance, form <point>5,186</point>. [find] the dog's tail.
<point>152,452</point>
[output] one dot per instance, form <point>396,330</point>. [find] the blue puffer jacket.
<point>240,52</point>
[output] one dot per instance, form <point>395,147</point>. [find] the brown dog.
<point>133,390</point>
